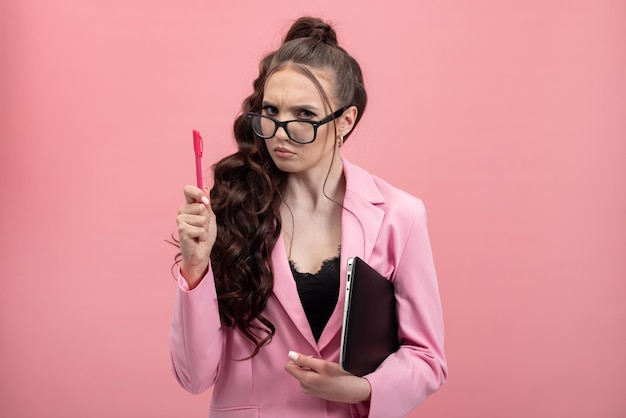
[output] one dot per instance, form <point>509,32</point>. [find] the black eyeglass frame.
<point>279,124</point>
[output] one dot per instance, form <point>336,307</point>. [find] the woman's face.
<point>291,95</point>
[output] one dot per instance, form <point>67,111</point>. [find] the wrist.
<point>193,275</point>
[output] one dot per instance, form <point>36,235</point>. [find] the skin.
<point>311,222</point>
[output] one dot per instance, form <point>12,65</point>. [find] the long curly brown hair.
<point>248,188</point>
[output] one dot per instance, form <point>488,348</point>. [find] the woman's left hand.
<point>327,380</point>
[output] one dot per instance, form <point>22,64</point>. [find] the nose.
<point>281,133</point>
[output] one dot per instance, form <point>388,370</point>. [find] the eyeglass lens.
<point>296,130</point>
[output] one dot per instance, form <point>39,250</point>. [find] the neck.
<point>314,189</point>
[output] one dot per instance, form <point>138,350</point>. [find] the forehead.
<point>293,85</point>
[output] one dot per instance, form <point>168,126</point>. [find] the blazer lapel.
<point>360,225</point>
<point>287,293</point>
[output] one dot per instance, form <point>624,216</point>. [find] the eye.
<point>305,114</point>
<point>269,110</point>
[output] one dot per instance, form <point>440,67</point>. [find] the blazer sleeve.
<point>418,368</point>
<point>196,335</point>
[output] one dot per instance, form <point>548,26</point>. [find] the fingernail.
<point>205,200</point>
<point>293,355</point>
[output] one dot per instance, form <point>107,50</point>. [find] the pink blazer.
<point>384,226</point>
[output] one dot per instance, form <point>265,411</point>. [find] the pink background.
<point>507,117</point>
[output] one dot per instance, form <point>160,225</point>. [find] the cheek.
<point>326,135</point>
<point>323,147</point>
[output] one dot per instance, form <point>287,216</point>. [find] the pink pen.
<point>197,147</point>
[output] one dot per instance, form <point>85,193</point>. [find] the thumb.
<point>293,356</point>
<point>303,361</point>
<point>204,198</point>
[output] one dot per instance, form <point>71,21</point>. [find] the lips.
<point>283,152</point>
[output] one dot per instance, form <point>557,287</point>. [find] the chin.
<point>286,167</point>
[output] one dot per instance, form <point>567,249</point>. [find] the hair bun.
<point>312,27</point>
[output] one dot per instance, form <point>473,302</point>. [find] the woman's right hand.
<point>197,231</point>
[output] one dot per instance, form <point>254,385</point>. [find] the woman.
<point>263,260</point>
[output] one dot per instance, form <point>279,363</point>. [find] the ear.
<point>347,120</point>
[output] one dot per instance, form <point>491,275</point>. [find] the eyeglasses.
<point>300,131</point>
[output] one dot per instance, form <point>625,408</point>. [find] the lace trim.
<point>326,264</point>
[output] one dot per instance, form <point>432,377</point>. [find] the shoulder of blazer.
<point>361,184</point>
<point>373,189</point>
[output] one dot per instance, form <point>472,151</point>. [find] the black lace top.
<point>318,293</point>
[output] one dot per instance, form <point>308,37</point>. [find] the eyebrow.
<point>308,107</point>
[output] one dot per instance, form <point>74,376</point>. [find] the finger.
<point>194,195</point>
<point>194,233</point>
<point>195,209</point>
<point>306,362</point>
<point>193,220</point>
<point>295,370</point>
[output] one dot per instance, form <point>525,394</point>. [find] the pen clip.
<point>198,144</point>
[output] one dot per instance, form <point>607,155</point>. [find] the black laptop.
<point>370,324</point>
